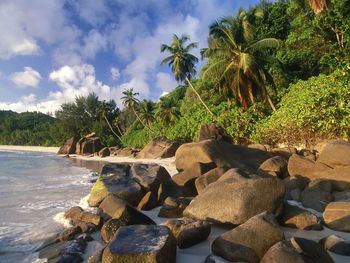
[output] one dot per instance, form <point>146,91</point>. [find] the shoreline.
<point>26,148</point>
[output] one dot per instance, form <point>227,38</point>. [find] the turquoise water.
<point>34,189</point>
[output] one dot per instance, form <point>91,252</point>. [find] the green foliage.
<point>136,138</point>
<point>316,108</point>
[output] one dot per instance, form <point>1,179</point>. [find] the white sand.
<point>29,148</point>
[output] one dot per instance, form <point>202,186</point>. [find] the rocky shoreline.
<point>248,192</point>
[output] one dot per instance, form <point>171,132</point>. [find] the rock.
<point>341,196</point>
<point>275,166</point>
<point>210,177</point>
<point>73,248</point>
<point>69,146</point>
<point>187,178</point>
<point>69,233</point>
<point>149,176</point>
<point>223,154</point>
<point>285,151</point>
<point>234,200</point>
<point>110,228</point>
<point>97,257</point>
<point>295,195</point>
<point>311,250</point>
<point>249,241</point>
<point>159,147</point>
<point>67,258</point>
<point>169,189</point>
<point>188,232</point>
<point>213,132</point>
<point>85,227</point>
<point>284,252</point>
<point>301,166</point>
<point>296,217</point>
<point>294,186</point>
<point>336,153</point>
<point>126,152</point>
<point>151,244</point>
<point>336,245</point>
<point>148,201</point>
<point>115,179</point>
<point>173,208</point>
<point>77,214</point>
<point>214,259</point>
<point>104,152</point>
<point>91,145</point>
<point>337,216</point>
<point>317,195</point>
<point>117,208</point>
<point>113,150</point>
<point>260,147</point>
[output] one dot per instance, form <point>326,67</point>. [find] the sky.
<point>54,50</point>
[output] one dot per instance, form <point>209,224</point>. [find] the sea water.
<point>35,190</point>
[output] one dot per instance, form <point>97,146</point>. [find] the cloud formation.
<point>26,78</point>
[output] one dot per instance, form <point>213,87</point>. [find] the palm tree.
<point>147,112</point>
<point>167,112</point>
<point>131,102</point>
<point>103,110</point>
<point>237,60</point>
<point>182,62</point>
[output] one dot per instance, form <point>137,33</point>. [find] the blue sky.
<point>54,50</point>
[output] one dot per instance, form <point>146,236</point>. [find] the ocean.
<point>35,190</point>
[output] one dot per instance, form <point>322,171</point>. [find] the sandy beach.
<point>29,148</point>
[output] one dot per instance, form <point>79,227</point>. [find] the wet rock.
<point>215,259</point>
<point>336,245</point>
<point>337,216</point>
<point>311,250</point>
<point>77,214</point>
<point>115,179</point>
<point>73,248</point>
<point>117,208</point>
<point>235,199</point>
<point>249,241</point>
<point>150,244</point>
<point>188,232</point>
<point>284,252</point>
<point>159,147</point>
<point>296,217</point>
<point>110,228</point>
<point>69,233</point>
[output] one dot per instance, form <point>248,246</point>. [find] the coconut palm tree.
<point>103,110</point>
<point>237,60</point>
<point>167,112</point>
<point>146,112</point>
<point>182,62</point>
<point>130,101</point>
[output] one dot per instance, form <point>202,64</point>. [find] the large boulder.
<point>233,199</point>
<point>337,216</point>
<point>64,251</point>
<point>223,154</point>
<point>296,217</point>
<point>335,153</point>
<point>336,245</point>
<point>249,241</point>
<point>104,152</point>
<point>91,145</point>
<point>149,176</point>
<point>275,166</point>
<point>284,252</point>
<point>301,166</point>
<point>159,147</point>
<point>115,179</point>
<point>77,214</point>
<point>140,244</point>
<point>69,146</point>
<point>188,232</point>
<point>209,177</point>
<point>213,132</point>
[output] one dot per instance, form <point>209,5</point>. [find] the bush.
<point>316,108</point>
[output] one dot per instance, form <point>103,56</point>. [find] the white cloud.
<point>26,78</point>
<point>165,82</point>
<point>115,73</point>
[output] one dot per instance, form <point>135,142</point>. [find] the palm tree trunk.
<point>271,103</point>
<point>137,116</point>
<point>199,97</point>
<point>110,127</point>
